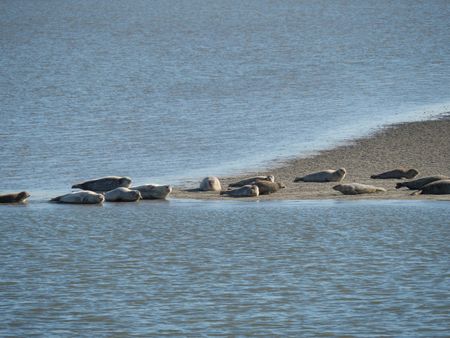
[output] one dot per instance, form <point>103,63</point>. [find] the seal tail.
<point>298,179</point>
<point>56,199</point>
<point>415,193</point>
<point>76,186</point>
<point>374,176</point>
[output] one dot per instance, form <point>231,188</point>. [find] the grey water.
<point>197,268</point>
<point>170,91</point>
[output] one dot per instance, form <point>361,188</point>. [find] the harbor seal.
<point>324,176</point>
<point>441,187</point>
<point>245,191</point>
<point>15,197</point>
<point>397,173</point>
<point>80,197</point>
<point>419,183</point>
<point>267,187</point>
<point>357,188</point>
<point>153,192</point>
<point>210,183</point>
<point>104,184</point>
<point>252,180</point>
<point>122,194</point>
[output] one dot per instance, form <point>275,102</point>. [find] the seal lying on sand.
<point>210,183</point>
<point>357,188</point>
<point>397,173</point>
<point>441,187</point>
<point>122,195</point>
<point>419,183</point>
<point>245,191</point>
<point>14,198</point>
<point>252,180</point>
<point>324,176</point>
<point>80,197</point>
<point>153,192</point>
<point>267,187</point>
<point>104,184</point>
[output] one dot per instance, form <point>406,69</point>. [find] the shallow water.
<point>305,268</point>
<point>165,92</point>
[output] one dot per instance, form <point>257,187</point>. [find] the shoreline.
<point>423,145</point>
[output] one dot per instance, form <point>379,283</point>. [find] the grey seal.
<point>397,173</point>
<point>122,194</point>
<point>245,191</point>
<point>104,184</point>
<point>419,183</point>
<point>15,197</point>
<point>324,176</point>
<point>80,197</point>
<point>357,188</point>
<point>153,192</point>
<point>252,180</point>
<point>441,187</point>
<point>210,183</point>
<point>267,187</point>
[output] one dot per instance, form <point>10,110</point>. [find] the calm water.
<point>169,91</point>
<point>227,268</point>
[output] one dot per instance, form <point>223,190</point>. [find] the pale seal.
<point>357,188</point>
<point>153,192</point>
<point>210,183</point>
<point>15,197</point>
<point>397,173</point>
<point>441,187</point>
<point>80,197</point>
<point>267,187</point>
<point>251,180</point>
<point>419,183</point>
<point>122,194</point>
<point>324,176</point>
<point>104,184</point>
<point>245,191</point>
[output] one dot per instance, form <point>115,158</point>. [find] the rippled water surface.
<point>227,268</point>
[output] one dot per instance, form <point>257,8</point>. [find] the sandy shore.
<point>421,145</point>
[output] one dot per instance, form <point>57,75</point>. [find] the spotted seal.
<point>252,180</point>
<point>210,183</point>
<point>245,191</point>
<point>122,194</point>
<point>419,183</point>
<point>153,192</point>
<point>357,188</point>
<point>15,197</point>
<point>441,187</point>
<point>324,176</point>
<point>268,187</point>
<point>80,197</point>
<point>104,184</point>
<point>397,173</point>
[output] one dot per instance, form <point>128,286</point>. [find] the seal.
<point>441,187</point>
<point>397,173</point>
<point>15,197</point>
<point>210,183</point>
<point>153,192</point>
<point>245,191</point>
<point>104,184</point>
<point>252,180</point>
<point>419,183</point>
<point>357,188</point>
<point>80,197</point>
<point>267,187</point>
<point>324,176</point>
<point>122,194</point>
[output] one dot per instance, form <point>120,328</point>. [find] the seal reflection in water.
<point>252,180</point>
<point>104,184</point>
<point>245,191</point>
<point>122,195</point>
<point>210,183</point>
<point>324,176</point>
<point>397,173</point>
<point>80,197</point>
<point>357,188</point>
<point>153,192</point>
<point>15,197</point>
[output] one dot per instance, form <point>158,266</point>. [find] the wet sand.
<point>421,145</point>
